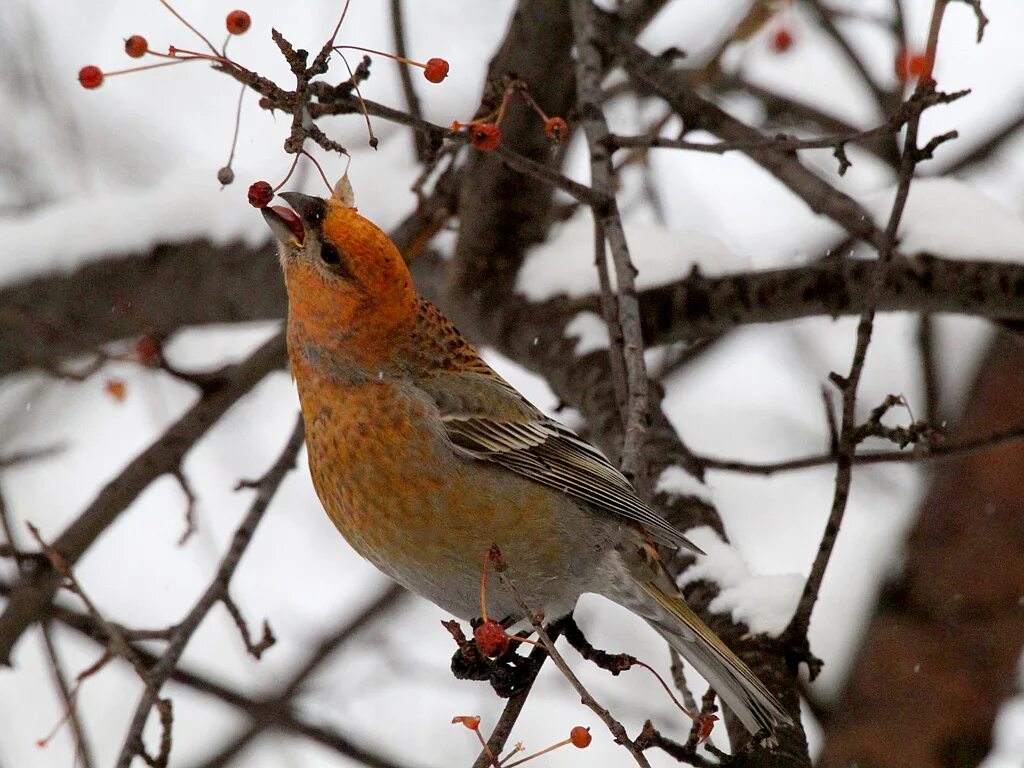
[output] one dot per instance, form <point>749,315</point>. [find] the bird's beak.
<point>285,224</point>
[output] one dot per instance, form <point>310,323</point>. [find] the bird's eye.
<point>334,262</point>
<point>329,254</point>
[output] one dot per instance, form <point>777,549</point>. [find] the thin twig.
<point>35,591</point>
<point>921,452</point>
<point>796,632</point>
<point>589,72</point>
<point>614,726</point>
<point>267,488</point>
<point>83,752</point>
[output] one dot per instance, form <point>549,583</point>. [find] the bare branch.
<point>218,589</point>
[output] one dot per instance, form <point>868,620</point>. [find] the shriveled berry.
<point>484,136</point>
<point>707,724</point>
<point>580,737</point>
<point>238,22</point>
<point>782,40</point>
<point>136,46</point>
<point>260,194</point>
<point>556,128</point>
<point>225,175</point>
<point>90,77</point>
<point>436,70</point>
<point>470,721</point>
<point>491,638</point>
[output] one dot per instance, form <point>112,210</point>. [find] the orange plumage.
<point>424,457</point>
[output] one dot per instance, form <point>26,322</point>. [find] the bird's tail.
<point>694,640</point>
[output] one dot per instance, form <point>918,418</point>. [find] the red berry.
<point>782,40</point>
<point>912,66</point>
<point>484,136</point>
<point>436,70</point>
<point>260,194</point>
<point>238,22</point>
<point>136,46</point>
<point>556,128</point>
<point>491,638</point>
<point>580,737</point>
<point>90,77</point>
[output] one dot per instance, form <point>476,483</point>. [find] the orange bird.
<point>424,457</point>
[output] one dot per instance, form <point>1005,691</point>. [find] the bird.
<point>425,458</point>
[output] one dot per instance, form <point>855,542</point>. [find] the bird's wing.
<point>488,419</point>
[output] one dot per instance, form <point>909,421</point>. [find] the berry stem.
<point>217,58</point>
<point>238,122</point>
<point>533,103</point>
<point>337,27</point>
<point>359,94</point>
<point>552,748</point>
<point>393,56</point>
<point>147,66</point>
<point>201,36</point>
<point>668,690</point>
<point>483,586</point>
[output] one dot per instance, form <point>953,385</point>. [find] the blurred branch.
<point>412,101</point>
<point>690,309</point>
<point>83,752</point>
<point>35,590</point>
<point>274,712</point>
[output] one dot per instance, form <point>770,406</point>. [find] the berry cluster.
<point>136,46</point>
<point>238,22</point>
<point>484,133</point>
<point>579,737</point>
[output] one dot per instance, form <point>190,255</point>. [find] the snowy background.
<point>134,163</point>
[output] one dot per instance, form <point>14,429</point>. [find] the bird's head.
<point>349,291</point>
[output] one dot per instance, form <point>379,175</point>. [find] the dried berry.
<point>225,176</point>
<point>556,128</point>
<point>491,638</point>
<point>470,721</point>
<point>90,77</point>
<point>116,389</point>
<point>147,350</point>
<point>436,70</point>
<point>580,737</point>
<point>484,136</point>
<point>136,46</point>
<point>238,22</point>
<point>260,194</point>
<point>782,40</point>
<point>707,724</point>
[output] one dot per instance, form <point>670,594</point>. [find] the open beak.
<point>285,224</point>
